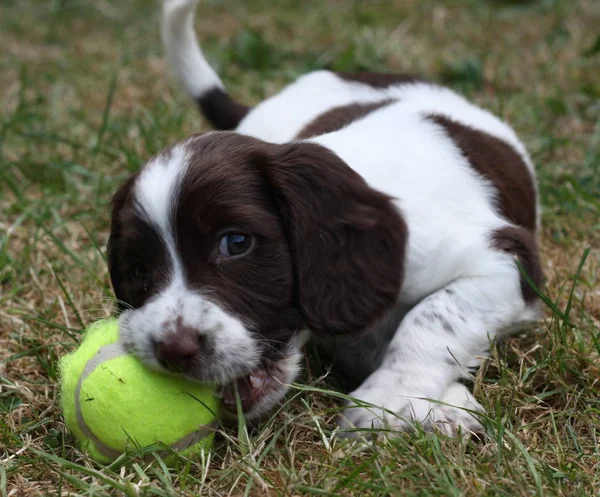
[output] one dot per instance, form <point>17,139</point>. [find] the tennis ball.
<point>112,403</point>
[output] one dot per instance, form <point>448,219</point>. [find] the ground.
<point>86,98</point>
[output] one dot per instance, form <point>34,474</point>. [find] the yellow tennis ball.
<point>112,403</point>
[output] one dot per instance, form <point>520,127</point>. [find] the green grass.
<point>86,99</point>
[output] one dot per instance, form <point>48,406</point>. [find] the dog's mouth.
<point>253,389</point>
<point>263,387</point>
<point>250,389</point>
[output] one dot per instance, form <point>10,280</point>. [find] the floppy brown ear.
<point>347,239</point>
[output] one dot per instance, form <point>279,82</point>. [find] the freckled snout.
<point>177,351</point>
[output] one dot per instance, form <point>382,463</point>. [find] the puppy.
<point>381,215</point>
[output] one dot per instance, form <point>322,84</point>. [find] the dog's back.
<point>454,167</point>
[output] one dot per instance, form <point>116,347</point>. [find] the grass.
<point>86,99</point>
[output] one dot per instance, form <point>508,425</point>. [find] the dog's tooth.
<point>257,379</point>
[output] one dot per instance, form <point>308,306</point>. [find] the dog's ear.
<point>347,239</point>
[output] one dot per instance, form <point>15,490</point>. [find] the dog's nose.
<point>177,351</point>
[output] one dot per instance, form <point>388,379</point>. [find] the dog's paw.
<point>456,414</point>
<point>380,410</point>
<point>377,408</point>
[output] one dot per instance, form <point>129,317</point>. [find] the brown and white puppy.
<point>380,214</point>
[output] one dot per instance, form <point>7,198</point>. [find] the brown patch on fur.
<point>523,245</point>
<point>380,80</point>
<point>339,117</point>
<point>500,164</point>
<point>347,240</point>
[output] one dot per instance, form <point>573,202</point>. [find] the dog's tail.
<point>192,69</point>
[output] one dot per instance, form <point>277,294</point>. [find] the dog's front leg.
<point>436,344</point>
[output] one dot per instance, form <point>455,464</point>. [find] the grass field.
<point>86,98</point>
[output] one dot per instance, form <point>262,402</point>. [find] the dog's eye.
<point>140,272</point>
<point>233,244</point>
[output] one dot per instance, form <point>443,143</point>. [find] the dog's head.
<point>224,248</point>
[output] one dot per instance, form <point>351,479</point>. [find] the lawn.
<point>86,98</point>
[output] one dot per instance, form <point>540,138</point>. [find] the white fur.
<point>454,412</point>
<point>463,293</point>
<point>308,97</point>
<point>457,411</point>
<point>183,53</point>
<point>438,340</point>
<point>157,186</point>
<point>235,351</point>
